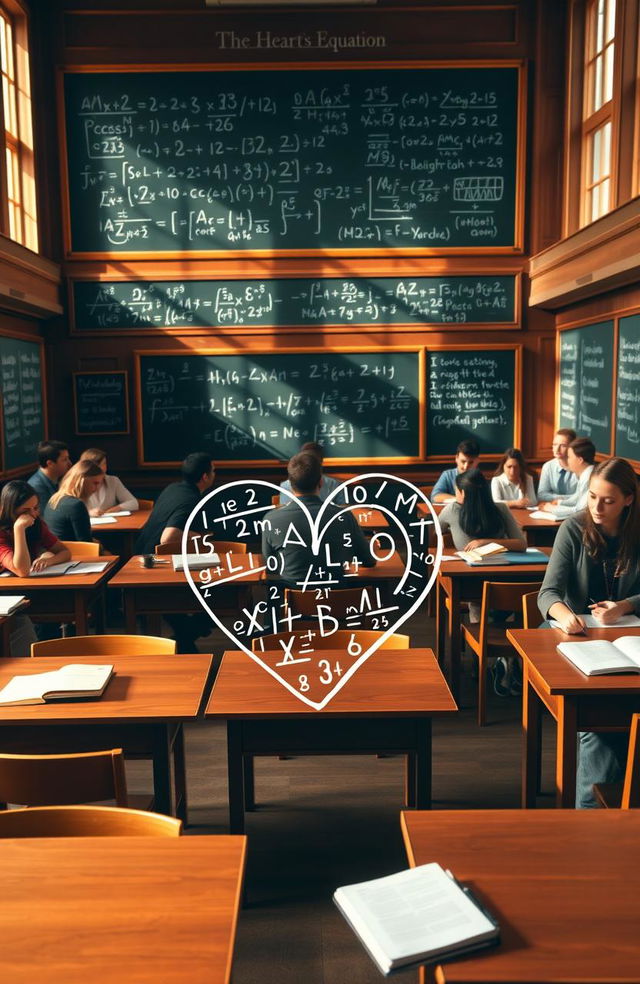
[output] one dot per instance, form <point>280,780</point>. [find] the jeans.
<point>601,758</point>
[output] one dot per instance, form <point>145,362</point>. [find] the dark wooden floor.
<point>322,822</point>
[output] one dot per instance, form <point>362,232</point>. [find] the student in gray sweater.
<point>66,514</point>
<point>595,565</point>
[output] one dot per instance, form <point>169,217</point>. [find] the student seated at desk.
<point>556,479</point>
<point>26,545</point>
<point>580,457</point>
<point>54,461</point>
<point>111,496</point>
<point>512,483</point>
<point>467,454</point>
<point>327,484</point>
<point>66,514</point>
<point>595,565</point>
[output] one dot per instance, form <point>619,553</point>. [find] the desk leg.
<point>410,772</point>
<point>180,774</point>
<point>440,611</point>
<point>80,617</point>
<point>235,772</point>
<point>566,753</point>
<point>454,637</point>
<point>162,769</point>
<point>531,748</point>
<point>422,761</point>
<point>130,611</point>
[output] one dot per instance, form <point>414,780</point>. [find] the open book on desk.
<point>598,657</point>
<point>542,514</point>
<point>482,554</point>
<point>421,915</point>
<point>71,682</point>
<point>195,562</point>
<point>72,567</point>
<point>529,556</point>
<point>626,622</point>
<point>101,520</point>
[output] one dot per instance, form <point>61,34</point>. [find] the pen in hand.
<point>582,630</point>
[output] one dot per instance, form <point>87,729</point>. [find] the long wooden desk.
<point>142,710</point>
<point>576,702</point>
<point>124,531</point>
<point>386,706</point>
<point>112,909</point>
<point>63,599</point>
<point>563,885</point>
<point>540,532</point>
<point>458,581</point>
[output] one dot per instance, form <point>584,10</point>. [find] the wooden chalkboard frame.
<point>328,273</point>
<point>419,350</point>
<point>516,348</point>
<point>576,326</point>
<point>14,472</point>
<point>616,361</point>
<point>90,372</point>
<point>517,248</point>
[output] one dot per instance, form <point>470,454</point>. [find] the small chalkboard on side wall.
<point>101,402</point>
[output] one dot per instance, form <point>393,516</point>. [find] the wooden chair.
<point>340,601</point>
<point>105,645</point>
<point>490,640</point>
<point>221,546</point>
<point>530,612</point>
<point>82,549</point>
<point>337,640</point>
<point>275,500</point>
<point>145,505</point>
<point>57,780</point>
<point>626,794</point>
<point>86,821</point>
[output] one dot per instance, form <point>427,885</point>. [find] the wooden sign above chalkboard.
<point>101,402</point>
<point>585,382</point>
<point>332,159</point>
<point>109,307</point>
<point>24,416</point>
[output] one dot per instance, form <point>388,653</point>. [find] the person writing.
<point>512,483</point>
<point>54,461</point>
<point>467,454</point>
<point>580,457</point>
<point>556,480</point>
<point>595,565</point>
<point>111,495</point>
<point>66,514</point>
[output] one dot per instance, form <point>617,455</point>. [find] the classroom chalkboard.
<point>358,159</point>
<point>101,402</point>
<point>109,306</point>
<point>23,410</point>
<point>628,389</point>
<point>360,405</point>
<point>585,382</point>
<point>473,393</point>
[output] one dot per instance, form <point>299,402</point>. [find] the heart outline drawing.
<point>317,532</point>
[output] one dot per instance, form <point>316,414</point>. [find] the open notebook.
<point>71,682</point>
<point>598,657</point>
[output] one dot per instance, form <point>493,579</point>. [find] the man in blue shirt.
<point>556,479</point>
<point>467,454</point>
<point>54,461</point>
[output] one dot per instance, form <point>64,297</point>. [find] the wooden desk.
<point>564,887</point>
<point>63,599</point>
<point>576,702</point>
<point>110,909</point>
<point>124,531</point>
<point>142,709</point>
<point>459,581</point>
<point>386,706</point>
<point>540,532</point>
<point>370,519</point>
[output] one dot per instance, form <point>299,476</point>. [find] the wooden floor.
<point>322,822</point>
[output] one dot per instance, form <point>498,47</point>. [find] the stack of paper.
<point>9,603</point>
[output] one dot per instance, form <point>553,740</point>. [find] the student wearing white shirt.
<point>580,457</point>
<point>512,483</point>
<point>112,496</point>
<point>556,480</point>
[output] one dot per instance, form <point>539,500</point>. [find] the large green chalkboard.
<point>293,301</point>
<point>263,407</point>
<point>472,393</point>
<point>23,412</point>
<point>585,382</point>
<point>359,159</point>
<point>628,389</point>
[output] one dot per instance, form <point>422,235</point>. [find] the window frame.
<point>594,120</point>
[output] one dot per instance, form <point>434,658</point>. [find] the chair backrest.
<point>531,617</point>
<point>220,547</point>
<point>86,821</point>
<point>105,645</point>
<point>81,549</point>
<point>631,786</point>
<point>340,603</point>
<point>56,780</point>
<point>502,596</point>
<point>275,500</point>
<point>145,505</point>
<point>340,639</point>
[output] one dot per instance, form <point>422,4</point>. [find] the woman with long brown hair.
<point>512,483</point>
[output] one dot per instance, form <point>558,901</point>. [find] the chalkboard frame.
<point>91,372</point>
<point>419,350</point>
<point>576,326</point>
<point>14,472</point>
<point>623,316</point>
<point>516,348</point>
<point>516,248</point>
<point>417,272</point>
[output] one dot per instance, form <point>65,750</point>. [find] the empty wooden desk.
<point>386,706</point>
<point>563,885</point>
<point>120,537</point>
<point>576,702</point>
<point>142,710</point>
<point>113,909</point>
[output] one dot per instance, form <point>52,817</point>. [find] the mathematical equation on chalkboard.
<point>22,400</point>
<point>299,302</point>
<point>265,406</point>
<point>585,382</point>
<point>359,159</point>
<point>628,391</point>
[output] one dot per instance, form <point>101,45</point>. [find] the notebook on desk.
<point>71,682</point>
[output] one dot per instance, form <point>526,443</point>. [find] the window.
<point>19,218</point>
<point>597,115</point>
